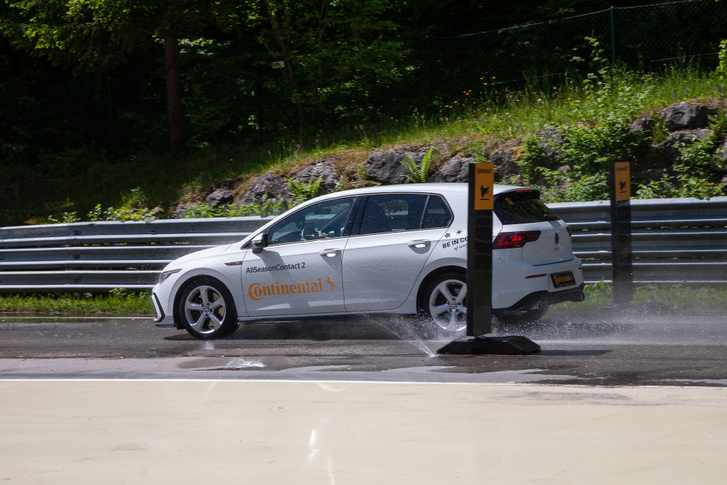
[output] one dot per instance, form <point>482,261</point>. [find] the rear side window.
<point>437,213</point>
<point>392,212</point>
<point>404,212</point>
<point>522,207</point>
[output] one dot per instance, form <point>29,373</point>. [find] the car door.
<point>390,243</point>
<point>299,272</point>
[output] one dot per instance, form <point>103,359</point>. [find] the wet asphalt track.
<point>641,345</point>
<point>613,397</point>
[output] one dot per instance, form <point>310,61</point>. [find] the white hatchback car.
<point>398,249</point>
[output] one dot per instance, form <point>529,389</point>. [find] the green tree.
<point>95,35</point>
<point>334,55</point>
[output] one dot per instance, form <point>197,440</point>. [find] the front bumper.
<point>158,310</point>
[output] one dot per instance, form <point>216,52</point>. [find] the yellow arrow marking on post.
<point>623,181</point>
<point>484,182</point>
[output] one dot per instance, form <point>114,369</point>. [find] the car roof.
<point>460,189</point>
<point>427,188</point>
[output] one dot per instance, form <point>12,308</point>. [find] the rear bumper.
<point>549,297</point>
<point>513,281</point>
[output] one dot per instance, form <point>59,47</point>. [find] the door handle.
<point>419,243</point>
<point>329,253</point>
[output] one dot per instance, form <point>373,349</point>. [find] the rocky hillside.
<point>659,143</point>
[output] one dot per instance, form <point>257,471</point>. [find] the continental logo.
<point>257,292</point>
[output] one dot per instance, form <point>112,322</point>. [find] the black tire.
<point>444,301</point>
<point>207,309</point>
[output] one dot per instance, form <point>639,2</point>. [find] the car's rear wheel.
<point>207,309</point>
<point>445,302</point>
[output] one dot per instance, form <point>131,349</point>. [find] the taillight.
<point>513,240</point>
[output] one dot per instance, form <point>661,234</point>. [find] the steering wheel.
<point>308,232</point>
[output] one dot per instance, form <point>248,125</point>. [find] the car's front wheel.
<point>445,302</point>
<point>207,309</point>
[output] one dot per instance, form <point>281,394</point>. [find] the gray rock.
<point>268,184</point>
<point>681,116</point>
<point>456,170</point>
<point>504,161</point>
<point>179,213</point>
<point>643,124</point>
<point>325,171</point>
<point>220,197</point>
<point>387,167</point>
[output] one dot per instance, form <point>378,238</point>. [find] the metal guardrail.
<point>100,256</point>
<point>674,241</point>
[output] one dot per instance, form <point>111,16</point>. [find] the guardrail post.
<point>621,255</point>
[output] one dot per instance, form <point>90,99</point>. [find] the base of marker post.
<point>511,345</point>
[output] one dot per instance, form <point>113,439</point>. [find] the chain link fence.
<point>642,38</point>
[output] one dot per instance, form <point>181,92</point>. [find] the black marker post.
<point>479,249</point>
<point>481,201</point>
<point>621,255</point>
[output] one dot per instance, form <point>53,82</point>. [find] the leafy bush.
<point>134,208</point>
<point>534,158</point>
<point>591,149</point>
<point>721,71</point>
<point>603,137</point>
<point>698,157</point>
<point>303,191</point>
<point>123,214</point>
<point>695,173</point>
<point>679,185</point>
<point>65,218</point>
<point>267,206</point>
<point>565,188</point>
<point>600,138</point>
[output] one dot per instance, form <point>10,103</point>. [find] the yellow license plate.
<point>563,279</point>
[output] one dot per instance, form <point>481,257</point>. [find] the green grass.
<point>117,302</point>
<point>684,297</point>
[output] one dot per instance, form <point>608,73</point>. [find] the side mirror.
<point>259,243</point>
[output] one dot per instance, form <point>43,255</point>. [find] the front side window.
<point>324,220</point>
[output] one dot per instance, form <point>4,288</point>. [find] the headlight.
<point>166,274</point>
